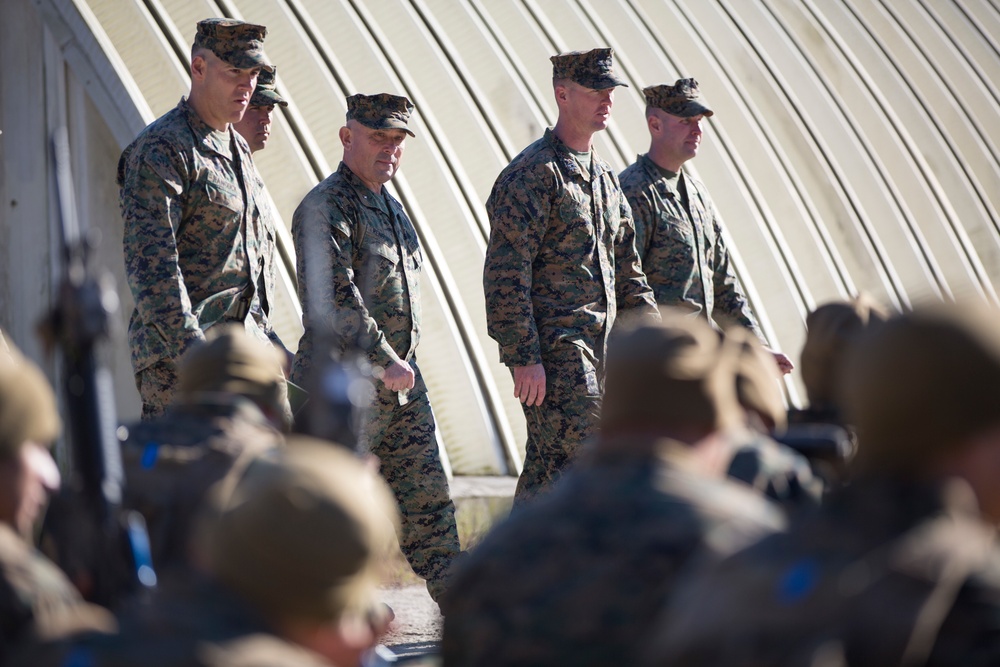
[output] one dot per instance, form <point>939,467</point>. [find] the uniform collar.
<point>217,141</point>
<point>568,160</point>
<point>365,195</point>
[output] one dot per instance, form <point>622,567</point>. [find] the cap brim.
<point>249,60</point>
<point>388,125</point>
<point>605,82</point>
<point>693,108</point>
<point>267,98</point>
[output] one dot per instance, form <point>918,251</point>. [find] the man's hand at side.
<point>398,376</point>
<point>785,364</point>
<point>529,384</point>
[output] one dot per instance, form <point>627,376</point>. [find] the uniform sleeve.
<point>730,298</point>
<point>632,291</point>
<point>324,249</point>
<point>518,210</point>
<point>152,206</point>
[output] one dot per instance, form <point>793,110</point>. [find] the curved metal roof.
<point>854,145</point>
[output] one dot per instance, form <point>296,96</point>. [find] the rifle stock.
<point>99,545</point>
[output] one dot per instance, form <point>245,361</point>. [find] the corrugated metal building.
<point>854,146</point>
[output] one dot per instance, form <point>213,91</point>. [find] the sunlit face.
<point>675,138</point>
<point>585,109</point>
<point>255,126</point>
<point>373,155</point>
<point>25,483</point>
<point>220,92</point>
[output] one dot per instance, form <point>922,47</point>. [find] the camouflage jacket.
<point>171,462</point>
<point>684,255</point>
<point>37,601</point>
<point>578,576</point>
<point>561,259</point>
<point>363,252</point>
<point>192,258</point>
<point>885,569</point>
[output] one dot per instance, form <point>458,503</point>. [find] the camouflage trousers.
<point>403,438</point>
<point>156,385</point>
<point>566,419</point>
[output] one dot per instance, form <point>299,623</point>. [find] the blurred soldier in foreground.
<point>773,469</point>
<point>255,126</point>
<point>199,237</point>
<point>577,576</point>
<point>227,411</point>
<point>560,265</point>
<point>37,601</point>
<point>831,330</point>
<point>678,232</point>
<point>901,566</point>
<point>291,575</point>
<point>357,238</point>
<point>819,431</point>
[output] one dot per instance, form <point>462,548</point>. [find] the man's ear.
<point>199,66</point>
<point>561,91</point>
<point>654,123</point>
<point>345,137</point>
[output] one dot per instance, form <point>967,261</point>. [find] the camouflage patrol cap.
<point>238,43</point>
<point>681,99</point>
<point>757,378</point>
<point>266,94</point>
<point>830,330</point>
<point>591,69</point>
<point>230,361</point>
<point>27,404</point>
<point>301,536</point>
<point>673,374</point>
<point>381,112</point>
<point>919,386</point>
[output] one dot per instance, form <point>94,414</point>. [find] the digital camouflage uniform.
<point>170,463</point>
<point>199,236</point>
<point>885,565</point>
<point>374,264</point>
<point>683,252</point>
<point>578,576</point>
<point>678,232</point>
<point>560,265</point>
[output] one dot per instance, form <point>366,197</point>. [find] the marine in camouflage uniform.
<point>199,237</point>
<point>227,412</point>
<point>37,600</point>
<point>290,575</point>
<point>560,266</point>
<point>901,567</point>
<point>357,238</point>
<point>255,126</point>
<point>773,469</point>
<point>578,576</point>
<point>678,231</point>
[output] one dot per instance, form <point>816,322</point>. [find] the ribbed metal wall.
<point>854,144</point>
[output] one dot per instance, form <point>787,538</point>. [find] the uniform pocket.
<point>224,197</point>
<point>384,250</point>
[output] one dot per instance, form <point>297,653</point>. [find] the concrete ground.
<point>479,503</point>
